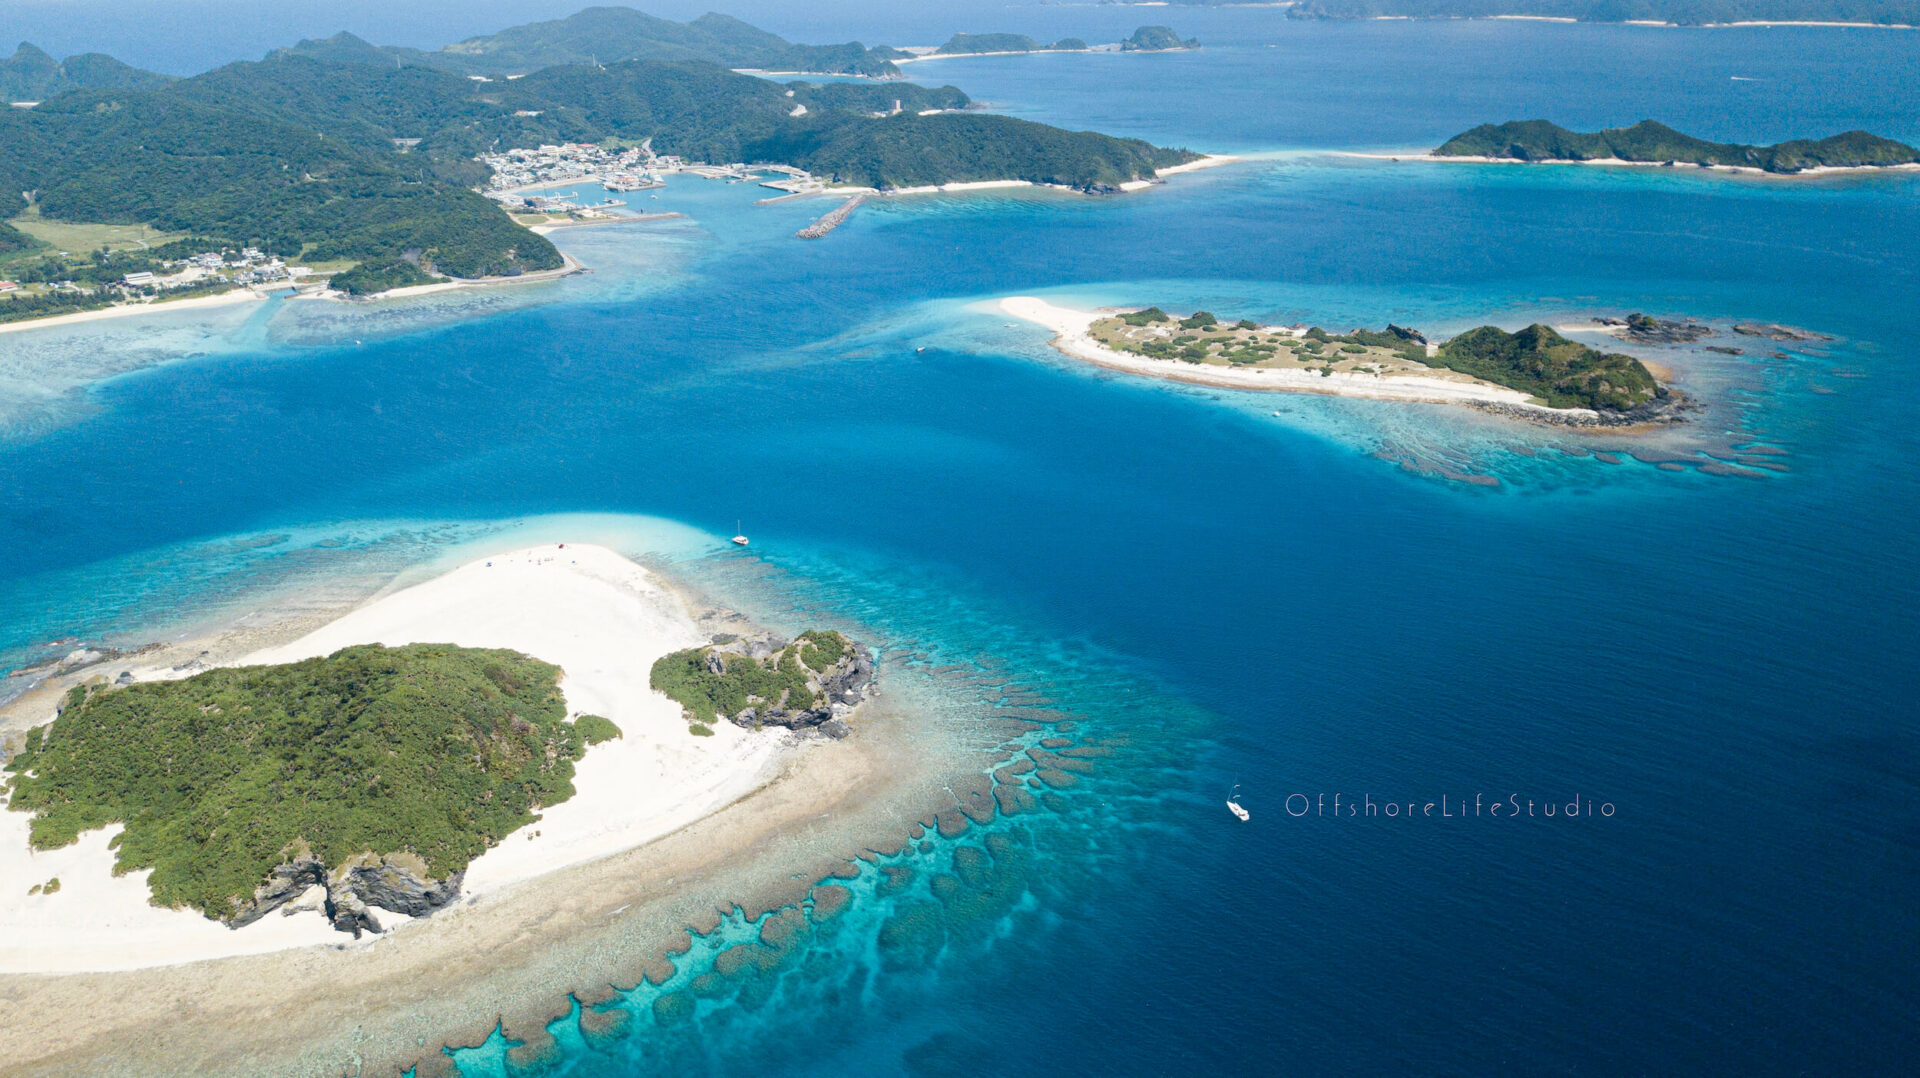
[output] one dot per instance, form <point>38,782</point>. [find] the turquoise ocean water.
<point>1233,596</point>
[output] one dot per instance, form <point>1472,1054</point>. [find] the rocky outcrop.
<point>1646,329</point>
<point>1674,408</point>
<point>837,690</point>
<point>397,881</point>
<point>1777,333</point>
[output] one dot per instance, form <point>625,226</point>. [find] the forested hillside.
<point>368,158</point>
<point>181,165</point>
<point>32,75</point>
<point>601,35</point>
<point>1538,140</point>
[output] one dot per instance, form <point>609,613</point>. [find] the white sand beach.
<point>128,310</point>
<point>1212,160</point>
<point>1071,338</point>
<point>597,615</point>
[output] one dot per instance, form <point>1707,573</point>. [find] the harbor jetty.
<point>831,219</point>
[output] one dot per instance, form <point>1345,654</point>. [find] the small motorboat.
<point>1233,804</point>
<point>738,540</point>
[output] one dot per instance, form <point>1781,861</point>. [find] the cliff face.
<point>395,881</point>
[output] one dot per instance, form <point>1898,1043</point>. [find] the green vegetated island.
<point>1664,12</point>
<point>376,773</point>
<point>812,682</point>
<point>343,158</point>
<point>1537,360</point>
<point>1656,143</point>
<point>1144,39</point>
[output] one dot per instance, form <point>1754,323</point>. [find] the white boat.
<point>1233,804</point>
<point>738,540</point>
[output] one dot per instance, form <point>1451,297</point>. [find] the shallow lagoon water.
<point>1253,599</point>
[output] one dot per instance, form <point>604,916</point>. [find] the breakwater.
<point>832,219</point>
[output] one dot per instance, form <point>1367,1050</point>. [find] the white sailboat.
<point>1233,804</point>
<point>738,539</point>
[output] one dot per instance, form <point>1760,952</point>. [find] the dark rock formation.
<point>839,689</point>
<point>1777,333</point>
<point>396,882</point>
<point>1646,329</point>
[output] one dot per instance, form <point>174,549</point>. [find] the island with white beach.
<point>1534,374</point>
<point>670,816</point>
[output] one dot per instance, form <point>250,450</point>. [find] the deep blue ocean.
<point>1232,596</point>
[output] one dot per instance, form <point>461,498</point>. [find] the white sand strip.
<point>222,299</point>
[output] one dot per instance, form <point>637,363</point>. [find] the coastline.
<point>1204,161</point>
<point>125,310</point>
<point>1071,339</point>
<point>602,907</point>
<point>1616,162</point>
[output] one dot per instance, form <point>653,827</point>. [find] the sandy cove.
<point>1071,338</point>
<point>666,833</point>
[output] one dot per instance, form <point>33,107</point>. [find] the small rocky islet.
<point>811,683</point>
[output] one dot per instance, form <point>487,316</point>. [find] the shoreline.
<point>963,186</point>
<point>516,948</point>
<point>1616,162</point>
<point>125,310</point>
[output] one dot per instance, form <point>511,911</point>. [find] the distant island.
<point>1657,12</point>
<point>1144,39</point>
<point>1649,142</point>
<point>377,774</point>
<point>605,35</point>
<point>1533,373</point>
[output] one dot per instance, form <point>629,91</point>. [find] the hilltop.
<point>600,35</point>
<point>32,75</point>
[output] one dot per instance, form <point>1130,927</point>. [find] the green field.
<point>80,238</point>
